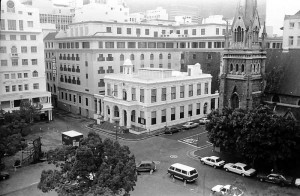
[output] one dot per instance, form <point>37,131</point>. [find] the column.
<point>105,114</point>
<point>102,107</point>
<point>128,112</point>
<point>111,115</point>
<point>121,117</point>
<point>97,106</point>
<point>216,103</point>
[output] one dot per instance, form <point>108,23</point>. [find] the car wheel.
<point>281,184</point>
<point>243,174</point>
<point>261,179</point>
<point>226,169</point>
<point>215,166</point>
<point>202,162</point>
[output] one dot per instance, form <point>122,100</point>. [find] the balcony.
<point>68,58</point>
<point>110,71</point>
<point>65,69</point>
<point>69,80</point>
<point>100,59</point>
<point>78,82</point>
<point>61,68</point>
<point>77,59</point>
<point>69,69</point>
<point>64,58</point>
<point>73,58</point>
<point>73,69</point>
<point>101,71</point>
<point>78,70</point>
<point>109,58</point>
<point>14,55</point>
<point>73,81</point>
<point>62,79</point>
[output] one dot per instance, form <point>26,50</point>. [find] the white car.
<point>240,168</point>
<point>213,161</point>
<point>203,121</point>
<point>227,190</point>
<point>297,182</point>
<point>189,125</point>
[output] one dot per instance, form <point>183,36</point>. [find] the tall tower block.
<point>243,63</point>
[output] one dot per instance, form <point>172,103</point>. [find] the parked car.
<point>276,179</point>
<point>240,168</point>
<point>190,125</point>
<point>213,161</point>
<point>227,190</point>
<point>171,130</point>
<point>145,166</point>
<point>184,172</point>
<point>297,183</point>
<point>4,175</point>
<point>203,121</point>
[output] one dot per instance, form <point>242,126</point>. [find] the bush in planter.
<point>17,163</point>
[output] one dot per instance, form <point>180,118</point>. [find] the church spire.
<point>227,36</point>
<point>263,37</point>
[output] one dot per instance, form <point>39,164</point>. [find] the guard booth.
<point>71,138</point>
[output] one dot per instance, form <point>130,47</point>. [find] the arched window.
<point>160,56</point>
<point>236,67</point>
<point>205,108</point>
<point>169,56</point>
<point>14,50</point>
<point>235,102</point>
<point>48,87</point>
<point>54,88</point>
<point>142,57</point>
<point>243,68</point>
<point>116,111</point>
<point>122,57</point>
<point>239,34</point>
<point>276,99</point>
<point>258,68</point>
<point>299,102</point>
<point>254,68</point>
<point>132,57</point>
<point>231,67</point>
<point>151,56</point>
<point>35,73</point>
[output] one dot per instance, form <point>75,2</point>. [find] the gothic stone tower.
<point>243,63</point>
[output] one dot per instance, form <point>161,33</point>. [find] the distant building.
<point>152,98</point>
<point>183,20</point>
<point>137,17</point>
<point>291,32</point>
<point>22,69</point>
<point>102,10</point>
<point>50,13</point>
<point>159,13</point>
<point>176,9</point>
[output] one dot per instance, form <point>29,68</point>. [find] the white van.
<point>184,172</point>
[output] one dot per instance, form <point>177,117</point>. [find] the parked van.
<point>184,172</point>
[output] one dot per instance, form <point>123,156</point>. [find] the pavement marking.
<point>173,156</point>
<point>156,162</point>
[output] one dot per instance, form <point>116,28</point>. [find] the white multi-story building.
<point>153,98</point>
<point>159,13</point>
<point>102,10</point>
<point>22,70</point>
<point>291,32</point>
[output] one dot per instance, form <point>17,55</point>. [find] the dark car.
<point>145,166</point>
<point>276,179</point>
<point>4,175</point>
<point>171,130</point>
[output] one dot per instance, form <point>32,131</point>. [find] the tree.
<point>254,134</point>
<point>30,111</point>
<point>96,167</point>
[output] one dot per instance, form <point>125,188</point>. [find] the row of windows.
<point>12,24</point>
<point>292,25</point>
<point>49,76</point>
<point>14,49</point>
<point>68,79</point>
<point>164,92</point>
<point>17,37</point>
<point>68,97</point>
<point>255,68</point>
<point>12,10</point>
<point>25,87</point>
<point>73,57</point>
<point>20,75</point>
<point>132,57</point>
<point>49,45</point>
<point>291,40</point>
<point>15,62</point>
<point>69,69</point>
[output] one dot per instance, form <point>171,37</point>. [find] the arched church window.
<point>236,67</point>
<point>231,67</point>
<point>254,68</point>
<point>239,34</point>
<point>243,68</point>
<point>258,68</point>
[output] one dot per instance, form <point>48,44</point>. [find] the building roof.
<point>181,166</point>
<point>50,36</point>
<point>290,84</point>
<point>72,133</point>
<point>295,16</point>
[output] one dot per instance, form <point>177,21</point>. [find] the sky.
<point>276,9</point>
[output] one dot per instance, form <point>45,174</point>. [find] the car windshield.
<point>193,172</point>
<point>218,160</point>
<point>247,168</point>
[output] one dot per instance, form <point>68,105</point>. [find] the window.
<point>132,57</point>
<point>7,89</point>
<point>133,94</point>
<point>33,49</point>
<point>6,76</point>
<point>197,108</point>
<point>142,57</point>
<point>87,101</point>
<point>109,44</point>
<point>146,31</point>
<point>79,99</point>
<point>292,25</point>
<point>209,44</point>
<point>298,41</point>
<point>177,31</point>
<point>164,94</point>
<point>128,31</point>
<point>19,75</point>
<point>2,21</point>
<point>169,66</point>
<point>24,61</point>
<point>35,73</point>
<point>120,44</point>
<point>190,90</point>
<point>23,49</point>
<point>142,44</point>
<point>119,30</point>
<point>74,98</point>
<point>30,23</point>
<point>108,29</point>
<point>100,44</point>
<point>20,87</point>
<point>25,75</point>
<point>194,56</point>
<point>3,62</point>
<point>34,61</point>
<point>23,37</point>
<point>160,56</point>
<point>32,37</point>
<point>12,25</point>
<point>163,116</point>
<point>153,118</point>
<point>173,93</point>
<point>291,40</point>
<point>191,110</point>
<point>142,95</point>
<point>202,44</point>
<point>14,62</point>
<point>217,31</point>
<point>182,91</point>
<point>13,37</point>
<point>194,31</point>
<point>185,32</point>
<point>131,45</point>
<point>153,95</point>
<point>13,76</point>
<point>35,85</point>
<point>2,49</point>
<point>29,13</point>
<point>199,89</point>
<point>202,31</point>
<point>205,108</point>
<point>181,111</point>
<point>173,110</point>
<point>169,56</point>
<point>151,44</point>
<point>26,87</point>
<point>206,88</point>
<point>2,37</point>
<point>85,44</point>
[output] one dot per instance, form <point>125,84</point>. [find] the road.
<point>165,150</point>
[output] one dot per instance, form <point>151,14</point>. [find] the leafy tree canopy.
<point>96,167</point>
<point>255,134</point>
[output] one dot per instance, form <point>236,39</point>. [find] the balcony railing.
<point>14,55</point>
<point>77,59</point>
<point>73,69</point>
<point>78,82</point>
<point>78,70</point>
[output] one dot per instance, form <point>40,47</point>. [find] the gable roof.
<point>50,36</point>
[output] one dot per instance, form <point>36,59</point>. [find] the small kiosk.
<point>71,138</point>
